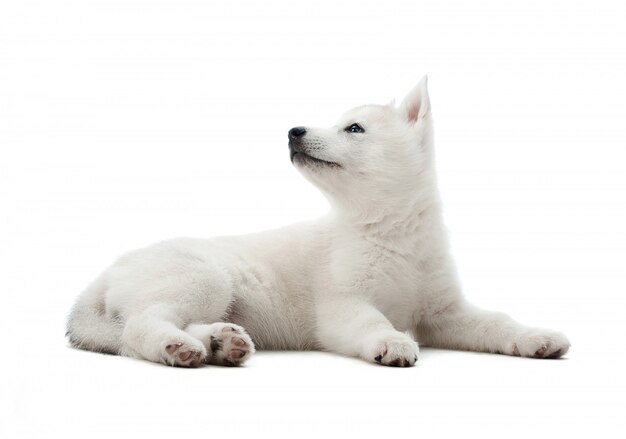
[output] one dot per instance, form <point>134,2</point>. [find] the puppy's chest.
<point>395,280</point>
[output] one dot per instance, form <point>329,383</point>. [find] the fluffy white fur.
<point>366,281</point>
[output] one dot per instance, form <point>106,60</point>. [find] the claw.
<point>555,354</point>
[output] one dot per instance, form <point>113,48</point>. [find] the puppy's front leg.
<point>353,327</point>
<point>465,327</point>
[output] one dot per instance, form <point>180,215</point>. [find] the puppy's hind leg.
<point>227,344</point>
<point>155,335</point>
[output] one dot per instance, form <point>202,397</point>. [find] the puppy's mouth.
<point>296,154</point>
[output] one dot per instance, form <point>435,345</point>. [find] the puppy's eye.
<point>355,128</point>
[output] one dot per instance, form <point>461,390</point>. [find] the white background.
<point>127,122</point>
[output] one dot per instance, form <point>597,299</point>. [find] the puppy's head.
<point>372,157</point>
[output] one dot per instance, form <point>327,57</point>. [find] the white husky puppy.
<point>368,280</point>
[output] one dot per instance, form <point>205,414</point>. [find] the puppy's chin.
<point>306,160</point>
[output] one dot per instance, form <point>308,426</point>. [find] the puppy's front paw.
<point>540,343</point>
<point>397,350</point>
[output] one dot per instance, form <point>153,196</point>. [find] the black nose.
<point>297,132</point>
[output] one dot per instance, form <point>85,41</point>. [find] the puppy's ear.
<point>416,105</point>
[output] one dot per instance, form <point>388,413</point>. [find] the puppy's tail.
<point>88,325</point>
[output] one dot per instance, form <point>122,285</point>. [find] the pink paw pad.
<point>187,357</point>
<point>237,354</point>
<point>239,342</point>
<point>171,348</point>
<point>230,346</point>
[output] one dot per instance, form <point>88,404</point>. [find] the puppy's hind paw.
<point>179,353</point>
<point>230,345</point>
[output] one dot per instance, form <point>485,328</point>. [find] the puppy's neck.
<point>398,227</point>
